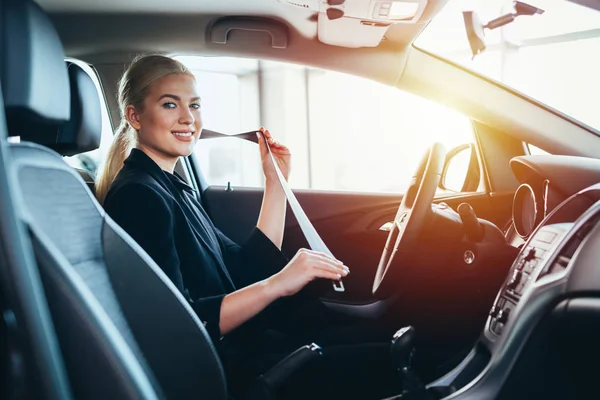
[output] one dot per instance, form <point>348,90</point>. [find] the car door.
<point>351,224</point>
<point>355,144</point>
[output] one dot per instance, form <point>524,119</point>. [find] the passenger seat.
<point>83,131</point>
<point>123,328</point>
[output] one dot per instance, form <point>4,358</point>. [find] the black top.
<point>162,214</point>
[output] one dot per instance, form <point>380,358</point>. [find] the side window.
<point>345,133</point>
<point>230,101</point>
<point>90,160</point>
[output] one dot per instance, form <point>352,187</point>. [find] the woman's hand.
<point>306,266</point>
<point>281,154</point>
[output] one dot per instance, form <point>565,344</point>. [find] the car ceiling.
<point>112,30</point>
<point>110,33</point>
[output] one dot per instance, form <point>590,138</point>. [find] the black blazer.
<point>162,214</point>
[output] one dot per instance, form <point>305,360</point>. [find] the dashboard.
<point>555,192</point>
<point>545,182</point>
<point>556,211</point>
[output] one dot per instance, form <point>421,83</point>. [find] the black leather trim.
<point>34,79</point>
<point>171,336</point>
<point>99,362</point>
<point>83,131</point>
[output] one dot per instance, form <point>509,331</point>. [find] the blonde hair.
<point>134,87</point>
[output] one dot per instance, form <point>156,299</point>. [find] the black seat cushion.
<point>98,257</point>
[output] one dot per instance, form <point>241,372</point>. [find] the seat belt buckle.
<point>338,286</point>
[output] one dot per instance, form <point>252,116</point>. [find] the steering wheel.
<point>412,214</point>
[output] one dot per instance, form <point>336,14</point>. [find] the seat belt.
<point>312,237</point>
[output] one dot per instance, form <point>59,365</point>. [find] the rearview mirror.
<point>475,29</point>
<point>461,171</point>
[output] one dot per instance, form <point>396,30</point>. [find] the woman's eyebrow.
<point>177,98</point>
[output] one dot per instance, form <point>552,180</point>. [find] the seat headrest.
<point>35,86</point>
<point>83,131</point>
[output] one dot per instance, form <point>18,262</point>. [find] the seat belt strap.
<point>312,237</point>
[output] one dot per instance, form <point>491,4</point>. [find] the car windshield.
<point>553,58</point>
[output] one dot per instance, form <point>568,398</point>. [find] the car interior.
<point>491,283</point>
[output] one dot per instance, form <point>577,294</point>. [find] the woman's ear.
<point>133,117</point>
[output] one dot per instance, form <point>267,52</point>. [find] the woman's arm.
<point>307,265</point>
<point>271,220</point>
<point>146,216</point>
<point>241,305</point>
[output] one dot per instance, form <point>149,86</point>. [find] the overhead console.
<point>359,23</point>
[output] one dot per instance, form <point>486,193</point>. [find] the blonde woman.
<point>226,284</point>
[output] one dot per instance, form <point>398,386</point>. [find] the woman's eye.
<point>195,106</point>
<point>169,105</point>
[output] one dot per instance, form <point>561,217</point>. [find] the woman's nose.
<point>186,117</point>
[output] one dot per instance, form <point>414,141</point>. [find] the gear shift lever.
<point>403,349</point>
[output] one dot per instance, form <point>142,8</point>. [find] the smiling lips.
<point>183,136</point>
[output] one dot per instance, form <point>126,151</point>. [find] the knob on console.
<point>494,312</point>
<point>530,255</point>
<point>503,315</point>
<point>402,348</point>
<point>516,279</point>
<point>402,351</point>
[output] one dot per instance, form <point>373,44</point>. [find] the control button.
<point>521,265</point>
<point>499,328</point>
<point>386,5</point>
<point>530,255</point>
<point>503,315</point>
<point>494,312</point>
<point>499,315</point>
<point>516,278</point>
<point>530,266</point>
<point>546,237</point>
<point>384,12</point>
<point>540,253</point>
<point>521,286</point>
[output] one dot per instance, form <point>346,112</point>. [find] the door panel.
<point>347,222</point>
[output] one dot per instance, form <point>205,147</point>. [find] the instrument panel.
<point>529,208</point>
<point>546,181</point>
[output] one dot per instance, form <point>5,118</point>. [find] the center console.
<point>559,258</point>
<point>527,268</point>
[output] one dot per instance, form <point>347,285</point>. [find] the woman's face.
<point>170,123</point>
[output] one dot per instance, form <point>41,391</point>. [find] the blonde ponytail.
<point>119,150</point>
<point>134,87</point>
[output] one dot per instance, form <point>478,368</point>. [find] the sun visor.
<point>35,85</point>
<point>359,23</point>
